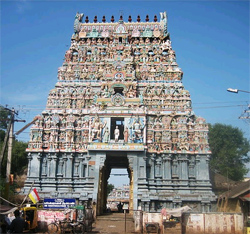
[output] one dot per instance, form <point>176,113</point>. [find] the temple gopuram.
<point>119,102</point>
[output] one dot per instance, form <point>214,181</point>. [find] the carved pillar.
<point>81,166</point>
<point>69,166</point>
<point>184,168</point>
<point>167,166</point>
<point>158,166</point>
<point>76,168</point>
<point>202,207</point>
<point>144,131</point>
<point>152,206</point>
<point>206,167</point>
<point>146,206</point>
<point>99,171</point>
<point>152,160</point>
<point>192,168</point>
<point>44,167</point>
<point>53,168</point>
<point>39,159</point>
<point>131,185</point>
<point>60,167</point>
<point>197,166</point>
<point>29,164</point>
<point>175,168</point>
<point>64,157</point>
<point>49,165</point>
<point>145,167</point>
<point>87,170</point>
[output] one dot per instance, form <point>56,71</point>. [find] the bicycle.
<point>78,227</point>
<point>56,226</point>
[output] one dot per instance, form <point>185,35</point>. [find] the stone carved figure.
<point>97,127</point>
<point>78,20</point>
<point>126,135</point>
<point>117,134</point>
<point>164,19</point>
<point>68,55</point>
<point>137,127</point>
<point>106,135</point>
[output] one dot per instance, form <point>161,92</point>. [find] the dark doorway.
<point>116,121</point>
<point>118,90</point>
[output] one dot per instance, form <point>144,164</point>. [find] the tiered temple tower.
<point>119,102</point>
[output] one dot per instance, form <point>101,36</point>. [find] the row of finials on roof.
<point>121,18</point>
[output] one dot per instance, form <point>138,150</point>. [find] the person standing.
<point>18,224</point>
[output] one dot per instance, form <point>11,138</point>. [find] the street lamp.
<point>236,90</point>
<point>246,114</point>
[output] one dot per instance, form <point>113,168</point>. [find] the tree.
<point>4,114</point>
<point>230,151</point>
<point>110,188</point>
<point>19,156</point>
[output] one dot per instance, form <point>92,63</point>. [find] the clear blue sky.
<point>211,40</point>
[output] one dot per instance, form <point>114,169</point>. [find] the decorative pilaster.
<point>76,168</point>
<point>64,157</point>
<point>184,167</point>
<point>167,169</point>
<point>49,165</point>
<point>44,167</point>
<point>53,168</point>
<point>152,160</point>
<point>191,167</point>
<point>158,166</point>
<point>60,167</point>
<point>175,168</point>
<point>29,163</point>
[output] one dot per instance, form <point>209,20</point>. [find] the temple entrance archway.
<point>114,160</point>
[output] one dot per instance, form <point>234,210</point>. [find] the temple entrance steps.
<point>113,223</point>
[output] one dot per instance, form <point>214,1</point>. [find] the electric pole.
<point>10,137</point>
<point>10,144</point>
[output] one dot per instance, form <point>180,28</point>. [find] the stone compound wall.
<point>192,223</point>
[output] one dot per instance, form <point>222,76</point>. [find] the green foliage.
<point>19,159</point>
<point>4,114</point>
<point>229,151</point>
<point>110,188</point>
<point>19,156</point>
<point>3,187</point>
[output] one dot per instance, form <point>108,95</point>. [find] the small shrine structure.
<point>119,102</point>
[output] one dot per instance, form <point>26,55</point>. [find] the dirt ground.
<point>113,223</point>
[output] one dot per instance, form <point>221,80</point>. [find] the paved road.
<point>113,223</point>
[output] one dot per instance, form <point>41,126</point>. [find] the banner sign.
<point>58,203</point>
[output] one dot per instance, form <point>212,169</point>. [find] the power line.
<point>208,107</point>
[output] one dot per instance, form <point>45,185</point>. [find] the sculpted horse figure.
<point>78,20</point>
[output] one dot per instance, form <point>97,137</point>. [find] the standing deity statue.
<point>105,138</point>
<point>117,134</point>
<point>137,127</point>
<point>126,135</point>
